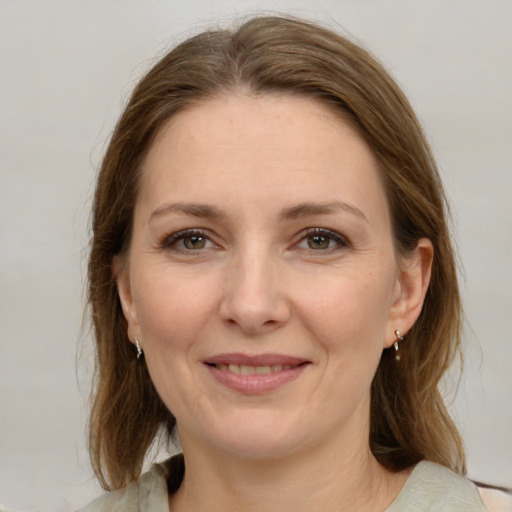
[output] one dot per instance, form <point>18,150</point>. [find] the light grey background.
<point>66,67</point>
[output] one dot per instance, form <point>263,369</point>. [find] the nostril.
<point>253,312</point>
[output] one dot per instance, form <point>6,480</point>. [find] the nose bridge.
<point>253,298</point>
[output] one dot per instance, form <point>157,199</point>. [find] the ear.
<point>121,274</point>
<point>413,280</point>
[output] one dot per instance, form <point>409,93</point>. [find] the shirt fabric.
<point>430,488</point>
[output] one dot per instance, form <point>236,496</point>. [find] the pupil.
<point>194,242</point>
<point>318,242</point>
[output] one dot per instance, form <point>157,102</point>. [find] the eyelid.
<point>340,240</point>
<point>169,240</point>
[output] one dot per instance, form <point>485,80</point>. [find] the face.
<point>262,281</point>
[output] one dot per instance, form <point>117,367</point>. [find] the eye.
<point>321,239</point>
<point>318,242</point>
<point>188,240</point>
<point>194,242</point>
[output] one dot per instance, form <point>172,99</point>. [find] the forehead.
<point>272,145</point>
<point>250,120</point>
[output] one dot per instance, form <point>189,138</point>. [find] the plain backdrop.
<point>66,68</point>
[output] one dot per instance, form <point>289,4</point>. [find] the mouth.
<point>244,369</point>
<point>255,374</point>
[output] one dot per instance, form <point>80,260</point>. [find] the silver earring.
<point>139,350</point>
<point>399,339</point>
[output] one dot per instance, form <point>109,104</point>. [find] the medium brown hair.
<point>269,55</point>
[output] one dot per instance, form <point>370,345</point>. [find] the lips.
<point>243,369</point>
<point>255,374</point>
<point>256,360</point>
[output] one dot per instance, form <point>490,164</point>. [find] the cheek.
<point>172,310</point>
<point>349,313</point>
<point>173,314</point>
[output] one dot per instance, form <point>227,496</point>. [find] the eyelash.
<point>339,240</point>
<point>171,241</point>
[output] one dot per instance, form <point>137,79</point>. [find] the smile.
<point>242,369</point>
<point>254,375</point>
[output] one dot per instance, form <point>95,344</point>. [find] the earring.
<point>399,339</point>
<point>139,350</point>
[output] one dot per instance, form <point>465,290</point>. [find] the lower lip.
<point>255,384</point>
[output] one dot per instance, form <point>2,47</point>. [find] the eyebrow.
<point>307,209</point>
<point>204,211</point>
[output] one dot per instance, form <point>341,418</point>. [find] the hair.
<point>276,55</point>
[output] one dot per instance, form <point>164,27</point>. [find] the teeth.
<point>242,369</point>
<point>234,368</point>
<point>247,370</point>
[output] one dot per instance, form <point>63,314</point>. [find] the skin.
<point>252,278</point>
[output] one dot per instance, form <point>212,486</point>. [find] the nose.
<point>254,297</point>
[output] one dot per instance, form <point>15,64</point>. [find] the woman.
<point>271,275</point>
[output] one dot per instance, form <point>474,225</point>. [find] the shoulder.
<point>148,494</point>
<point>432,487</point>
<point>125,499</point>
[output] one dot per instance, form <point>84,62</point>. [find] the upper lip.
<point>255,360</point>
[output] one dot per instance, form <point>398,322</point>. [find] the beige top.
<point>431,487</point>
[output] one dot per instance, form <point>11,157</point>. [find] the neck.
<point>344,480</point>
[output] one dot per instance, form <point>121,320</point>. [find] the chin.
<point>254,438</point>
<point>258,447</point>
